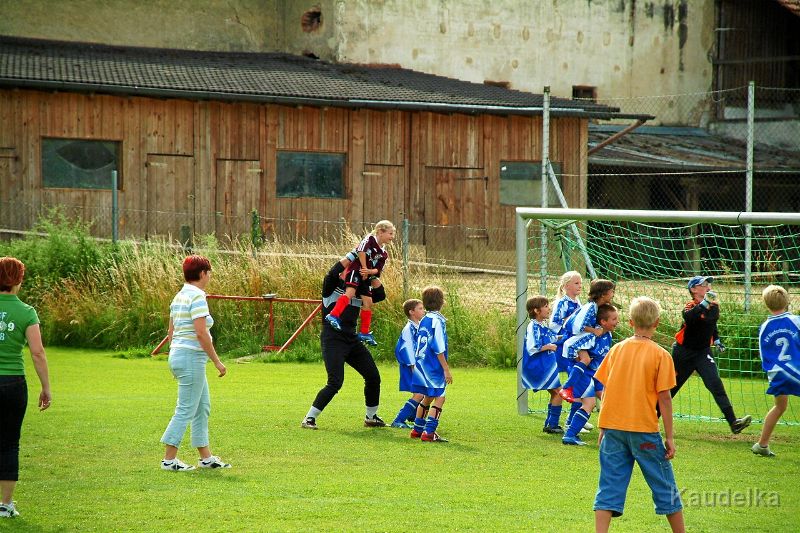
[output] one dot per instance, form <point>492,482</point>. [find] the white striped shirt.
<point>188,305</point>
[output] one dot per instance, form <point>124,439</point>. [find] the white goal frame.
<point>525,215</point>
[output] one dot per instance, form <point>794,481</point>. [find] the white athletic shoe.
<point>8,510</point>
<point>176,465</point>
<point>588,426</point>
<point>213,462</point>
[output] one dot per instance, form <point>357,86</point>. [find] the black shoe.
<point>553,430</point>
<point>374,422</point>
<point>309,423</point>
<point>740,424</point>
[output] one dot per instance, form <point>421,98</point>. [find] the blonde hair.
<point>565,278</point>
<point>644,312</point>
<point>776,298</point>
<point>383,225</point>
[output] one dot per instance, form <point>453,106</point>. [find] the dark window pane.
<point>521,184</point>
<point>79,164</point>
<point>310,174</point>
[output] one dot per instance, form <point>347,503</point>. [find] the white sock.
<point>372,411</point>
<point>169,461</point>
<point>313,412</point>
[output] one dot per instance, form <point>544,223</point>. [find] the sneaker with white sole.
<point>741,423</point>
<point>309,423</point>
<point>374,422</point>
<point>8,510</point>
<point>765,451</point>
<point>588,426</point>
<point>176,465</point>
<point>213,462</point>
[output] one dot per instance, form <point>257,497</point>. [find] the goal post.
<point>654,253</point>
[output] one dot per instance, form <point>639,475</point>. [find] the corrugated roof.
<point>684,148</point>
<point>791,5</point>
<point>274,77</point>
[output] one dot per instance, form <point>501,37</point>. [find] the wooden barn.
<point>200,139</point>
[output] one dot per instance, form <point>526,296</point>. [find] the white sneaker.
<point>213,462</point>
<point>765,451</point>
<point>176,465</point>
<point>584,430</point>
<point>588,426</point>
<point>8,510</point>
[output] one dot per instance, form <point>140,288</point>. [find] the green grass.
<point>90,463</point>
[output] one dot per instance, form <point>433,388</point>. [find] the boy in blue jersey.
<point>405,352</point>
<point>585,387</point>
<point>431,373</point>
<point>584,320</point>
<point>779,343</point>
<point>539,366</point>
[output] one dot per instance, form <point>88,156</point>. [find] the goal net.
<point>654,253</point>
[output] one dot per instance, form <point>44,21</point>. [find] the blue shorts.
<point>430,392</point>
<point>564,364</point>
<point>780,386</point>
<point>618,451</point>
<point>405,378</point>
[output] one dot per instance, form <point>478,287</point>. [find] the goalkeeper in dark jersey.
<point>692,349</point>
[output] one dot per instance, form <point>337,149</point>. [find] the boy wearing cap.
<point>692,349</point>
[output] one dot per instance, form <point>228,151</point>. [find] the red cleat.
<point>566,394</point>
<point>415,434</point>
<point>432,437</point>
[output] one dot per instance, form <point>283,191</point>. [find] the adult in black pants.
<point>340,347</point>
<point>692,351</point>
<point>19,324</point>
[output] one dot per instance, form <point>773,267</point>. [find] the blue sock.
<point>572,410</point>
<point>578,421</point>
<point>419,424</point>
<point>431,425</point>
<point>406,411</point>
<point>574,373</point>
<point>553,416</point>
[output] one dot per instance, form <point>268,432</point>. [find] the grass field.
<point>91,463</point>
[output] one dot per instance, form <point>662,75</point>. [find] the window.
<point>584,92</point>
<point>79,164</point>
<point>310,174</point>
<point>521,184</point>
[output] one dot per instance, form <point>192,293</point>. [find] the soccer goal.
<point>654,253</point>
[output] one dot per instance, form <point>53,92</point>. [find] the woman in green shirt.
<point>18,323</point>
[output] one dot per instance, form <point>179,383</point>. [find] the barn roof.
<point>677,148</point>
<point>266,77</point>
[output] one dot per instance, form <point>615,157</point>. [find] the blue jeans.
<point>194,402</point>
<point>618,451</point>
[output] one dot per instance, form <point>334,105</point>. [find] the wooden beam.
<point>616,136</point>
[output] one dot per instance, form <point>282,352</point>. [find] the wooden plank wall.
<point>390,156</point>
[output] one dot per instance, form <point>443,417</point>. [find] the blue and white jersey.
<point>565,307</point>
<point>539,367</point>
<point>537,335</point>
<point>431,341</point>
<point>585,316</point>
<point>779,343</point>
<point>597,347</point>
<point>406,347</point>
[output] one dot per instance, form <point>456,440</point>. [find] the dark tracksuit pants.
<point>687,361</point>
<point>338,348</point>
<point>13,402</point>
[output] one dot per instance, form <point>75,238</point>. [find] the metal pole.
<point>114,207</point>
<point>406,227</point>
<point>748,229</point>
<point>522,315</point>
<point>544,177</point>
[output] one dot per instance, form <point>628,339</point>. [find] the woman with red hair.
<point>19,324</point>
<point>191,346</point>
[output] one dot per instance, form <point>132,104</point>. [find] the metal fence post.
<point>114,206</point>
<point>544,177</point>
<point>748,228</point>
<point>405,240</point>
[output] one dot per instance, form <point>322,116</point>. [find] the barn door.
<point>170,195</point>
<point>457,201</point>
<point>238,193</point>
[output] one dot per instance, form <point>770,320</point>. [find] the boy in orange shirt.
<point>637,374</point>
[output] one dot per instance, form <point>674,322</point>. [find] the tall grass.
<point>98,295</point>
